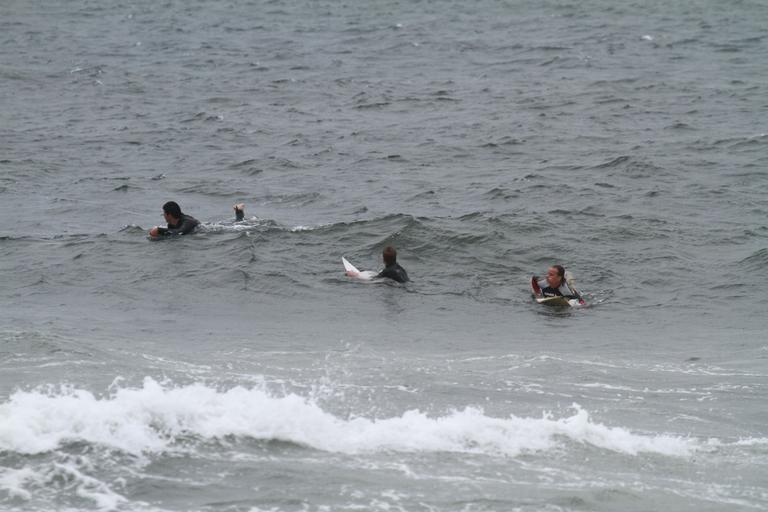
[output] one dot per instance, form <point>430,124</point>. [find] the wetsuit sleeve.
<point>569,293</point>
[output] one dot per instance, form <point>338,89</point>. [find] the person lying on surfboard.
<point>181,224</point>
<point>178,223</point>
<point>392,269</point>
<point>556,284</point>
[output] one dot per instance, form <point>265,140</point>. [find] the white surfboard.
<point>351,271</point>
<point>558,301</point>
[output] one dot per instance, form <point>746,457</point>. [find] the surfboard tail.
<point>348,267</point>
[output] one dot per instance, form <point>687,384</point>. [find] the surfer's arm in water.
<point>568,290</point>
<point>572,293</point>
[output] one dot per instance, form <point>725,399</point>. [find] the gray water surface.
<point>238,369</point>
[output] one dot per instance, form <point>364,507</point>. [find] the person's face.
<point>553,278</point>
<point>170,219</point>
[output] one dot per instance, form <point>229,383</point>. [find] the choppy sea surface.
<point>238,369</point>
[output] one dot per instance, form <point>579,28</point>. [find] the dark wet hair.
<point>390,255</point>
<point>560,270</point>
<point>173,209</point>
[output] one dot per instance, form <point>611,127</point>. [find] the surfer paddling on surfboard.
<point>181,224</point>
<point>392,270</point>
<point>557,283</point>
<point>178,223</point>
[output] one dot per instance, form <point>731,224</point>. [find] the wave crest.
<point>150,418</point>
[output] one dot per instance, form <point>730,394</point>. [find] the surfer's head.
<point>172,209</point>
<point>390,255</point>
<point>555,276</point>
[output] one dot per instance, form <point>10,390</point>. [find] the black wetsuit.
<point>186,224</point>
<point>395,272</point>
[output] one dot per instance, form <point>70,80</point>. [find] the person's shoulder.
<point>394,272</point>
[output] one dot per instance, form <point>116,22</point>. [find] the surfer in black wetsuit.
<point>239,211</point>
<point>556,284</point>
<point>178,223</point>
<point>391,268</point>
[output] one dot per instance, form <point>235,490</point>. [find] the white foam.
<point>233,226</point>
<point>300,227</point>
<point>752,441</point>
<point>149,418</point>
<point>12,481</point>
<point>252,224</point>
<point>41,478</point>
<point>91,488</point>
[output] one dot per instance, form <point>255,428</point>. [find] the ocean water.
<point>238,369</point>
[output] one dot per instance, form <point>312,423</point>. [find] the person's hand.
<point>154,232</point>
